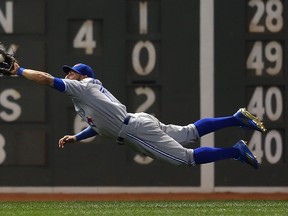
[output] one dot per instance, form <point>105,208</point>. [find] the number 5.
<point>84,38</point>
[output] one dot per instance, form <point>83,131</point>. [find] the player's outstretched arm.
<point>39,77</point>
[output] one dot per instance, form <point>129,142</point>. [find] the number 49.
<point>84,38</point>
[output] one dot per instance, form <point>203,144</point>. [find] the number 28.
<point>272,12</point>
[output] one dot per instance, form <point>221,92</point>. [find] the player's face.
<point>73,76</point>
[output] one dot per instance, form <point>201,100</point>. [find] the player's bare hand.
<point>66,139</point>
<point>15,68</point>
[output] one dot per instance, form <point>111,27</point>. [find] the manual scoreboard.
<point>253,66</point>
<point>144,52</point>
<point>147,53</point>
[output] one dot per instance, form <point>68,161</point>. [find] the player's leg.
<point>167,149</point>
<point>162,147</point>
<point>204,155</point>
<point>145,136</point>
<point>241,118</point>
<point>239,152</point>
<point>192,132</point>
<point>181,134</point>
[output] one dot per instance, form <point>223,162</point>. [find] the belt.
<point>120,140</point>
<point>126,120</point>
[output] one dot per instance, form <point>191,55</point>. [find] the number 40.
<point>272,149</point>
<point>269,102</point>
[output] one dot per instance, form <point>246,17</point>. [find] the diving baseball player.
<point>144,133</point>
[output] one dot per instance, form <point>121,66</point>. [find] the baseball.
<point>2,59</point>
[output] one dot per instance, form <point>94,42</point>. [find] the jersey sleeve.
<point>70,87</point>
<point>86,133</point>
<point>59,84</point>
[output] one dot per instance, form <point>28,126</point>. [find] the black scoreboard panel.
<point>144,52</point>
<point>252,66</point>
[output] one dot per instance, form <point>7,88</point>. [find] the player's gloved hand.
<point>7,62</point>
<point>66,139</point>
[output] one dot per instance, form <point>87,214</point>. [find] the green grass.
<point>175,208</point>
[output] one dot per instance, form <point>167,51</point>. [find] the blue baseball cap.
<point>79,68</point>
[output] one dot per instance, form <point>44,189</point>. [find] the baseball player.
<point>144,133</point>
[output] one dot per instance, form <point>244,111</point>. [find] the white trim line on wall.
<point>207,83</point>
<point>135,190</point>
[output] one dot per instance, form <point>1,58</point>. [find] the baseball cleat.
<point>246,155</point>
<point>248,120</point>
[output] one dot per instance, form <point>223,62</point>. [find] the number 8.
<point>2,151</point>
<point>274,20</point>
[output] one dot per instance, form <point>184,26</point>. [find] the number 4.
<point>84,38</point>
<point>254,60</point>
<point>255,105</point>
<point>255,145</point>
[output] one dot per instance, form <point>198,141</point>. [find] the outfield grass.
<point>127,208</point>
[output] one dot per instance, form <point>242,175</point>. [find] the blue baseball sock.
<point>204,155</point>
<point>208,125</point>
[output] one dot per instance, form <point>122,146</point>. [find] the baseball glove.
<point>6,62</point>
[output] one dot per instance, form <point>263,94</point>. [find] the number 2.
<point>151,97</point>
